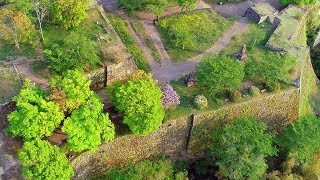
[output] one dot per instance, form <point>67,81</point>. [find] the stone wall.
<point>276,110</point>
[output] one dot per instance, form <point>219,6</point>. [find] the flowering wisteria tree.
<point>170,98</point>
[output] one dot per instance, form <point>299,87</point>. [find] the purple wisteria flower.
<point>170,98</point>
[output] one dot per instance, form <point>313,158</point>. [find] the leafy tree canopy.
<point>35,117</point>
<point>78,51</point>
<point>41,160</point>
<point>187,4</point>
<point>15,26</point>
<point>75,86</point>
<point>218,73</point>
<point>162,169</point>
<point>239,149</point>
<point>139,99</point>
<point>301,2</point>
<point>301,139</point>
<point>86,125</point>
<point>69,13</point>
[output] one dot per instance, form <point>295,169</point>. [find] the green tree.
<point>157,9</point>
<point>75,86</point>
<point>300,2</point>
<point>15,26</point>
<point>272,67</point>
<point>86,125</point>
<point>161,169</point>
<point>187,4</point>
<point>35,117</point>
<point>41,160</point>
<point>218,73</point>
<point>77,52</point>
<point>139,99</point>
<point>40,7</point>
<point>240,148</point>
<point>69,13</point>
<point>300,140</point>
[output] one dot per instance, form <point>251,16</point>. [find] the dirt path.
<point>172,71</point>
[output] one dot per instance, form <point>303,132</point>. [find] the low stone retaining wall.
<point>276,110</point>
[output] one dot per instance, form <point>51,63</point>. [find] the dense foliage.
<point>75,87</point>
<point>69,13</point>
<point>41,160</point>
<point>187,4</point>
<point>121,28</point>
<point>139,99</point>
<point>86,125</point>
<point>162,169</point>
<point>133,5</point>
<point>240,148</point>
<point>15,26</point>
<point>78,51</point>
<point>271,67</point>
<point>219,73</point>
<point>200,102</point>
<point>300,2</point>
<point>35,117</point>
<point>170,98</point>
<point>301,139</point>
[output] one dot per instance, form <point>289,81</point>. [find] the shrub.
<point>139,99</point>
<point>86,125</point>
<point>170,98</point>
<point>239,149</point>
<point>76,88</point>
<point>254,91</point>
<point>300,140</point>
<point>35,117</point>
<point>219,73</point>
<point>273,87</point>
<point>41,160</point>
<point>300,2</point>
<point>235,96</point>
<point>161,169</point>
<point>200,102</point>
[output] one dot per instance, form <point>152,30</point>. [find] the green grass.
<point>188,34</point>
<point>121,28</point>
<point>9,50</point>
<point>187,95</point>
<point>10,86</point>
<point>139,29</point>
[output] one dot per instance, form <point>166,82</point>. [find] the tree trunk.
<point>16,42</point>
<point>40,29</point>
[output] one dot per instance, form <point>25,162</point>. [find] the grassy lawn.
<point>187,95</point>
<point>121,28</point>
<point>139,29</point>
<point>188,34</point>
<point>9,50</point>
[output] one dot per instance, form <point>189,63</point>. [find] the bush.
<point>161,169</point>
<point>219,73</point>
<point>273,87</point>
<point>74,86</point>
<point>170,98</point>
<point>35,117</point>
<point>239,149</point>
<point>300,2</point>
<point>200,102</point>
<point>86,125</point>
<point>254,91</point>
<point>139,99</point>
<point>41,160</point>
<point>300,140</point>
<point>235,96</point>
